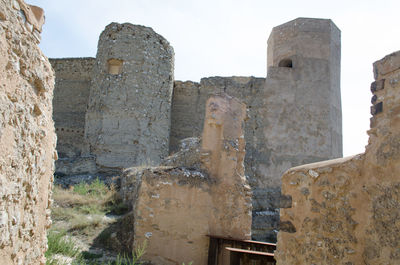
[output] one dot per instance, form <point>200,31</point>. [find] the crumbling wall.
<point>294,114</point>
<point>27,135</point>
<point>189,99</point>
<point>346,211</point>
<point>128,117</point>
<point>175,207</point>
<point>71,95</point>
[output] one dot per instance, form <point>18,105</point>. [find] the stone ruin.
<point>27,136</point>
<point>197,193</point>
<point>123,108</point>
<point>342,211</point>
<point>347,211</point>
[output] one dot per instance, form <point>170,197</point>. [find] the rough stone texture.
<point>294,114</point>
<point>73,80</point>
<point>71,95</point>
<point>175,207</point>
<point>222,156</point>
<point>76,166</point>
<point>128,116</point>
<point>27,136</point>
<point>347,211</point>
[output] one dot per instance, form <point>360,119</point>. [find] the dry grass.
<point>79,213</point>
<point>96,193</point>
<point>83,207</point>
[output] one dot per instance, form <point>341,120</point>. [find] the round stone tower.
<point>128,116</point>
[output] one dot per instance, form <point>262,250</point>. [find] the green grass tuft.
<point>59,243</point>
<point>96,189</point>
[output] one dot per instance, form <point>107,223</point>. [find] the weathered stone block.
<point>377,108</point>
<point>377,85</point>
<point>386,65</point>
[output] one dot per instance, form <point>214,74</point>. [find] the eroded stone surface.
<point>27,136</point>
<point>73,78</point>
<point>350,213</point>
<point>128,117</point>
<point>294,113</point>
<point>178,205</point>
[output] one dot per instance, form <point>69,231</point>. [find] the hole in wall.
<point>114,66</point>
<point>286,63</point>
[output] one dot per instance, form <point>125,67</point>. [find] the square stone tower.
<point>300,118</point>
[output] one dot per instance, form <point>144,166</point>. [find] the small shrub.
<point>136,255</point>
<point>97,188</point>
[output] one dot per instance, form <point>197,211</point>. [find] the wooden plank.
<point>243,240</point>
<point>260,243</point>
<point>239,250</point>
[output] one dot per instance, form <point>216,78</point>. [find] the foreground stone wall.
<point>27,136</point>
<point>176,207</point>
<point>128,116</point>
<point>347,211</point>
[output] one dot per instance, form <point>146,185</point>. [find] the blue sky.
<point>229,37</point>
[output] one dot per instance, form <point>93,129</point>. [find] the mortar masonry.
<point>136,114</point>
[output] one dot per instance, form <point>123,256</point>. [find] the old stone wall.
<point>128,116</point>
<point>176,207</point>
<point>346,211</point>
<point>294,114</point>
<point>71,95</point>
<point>27,136</point>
